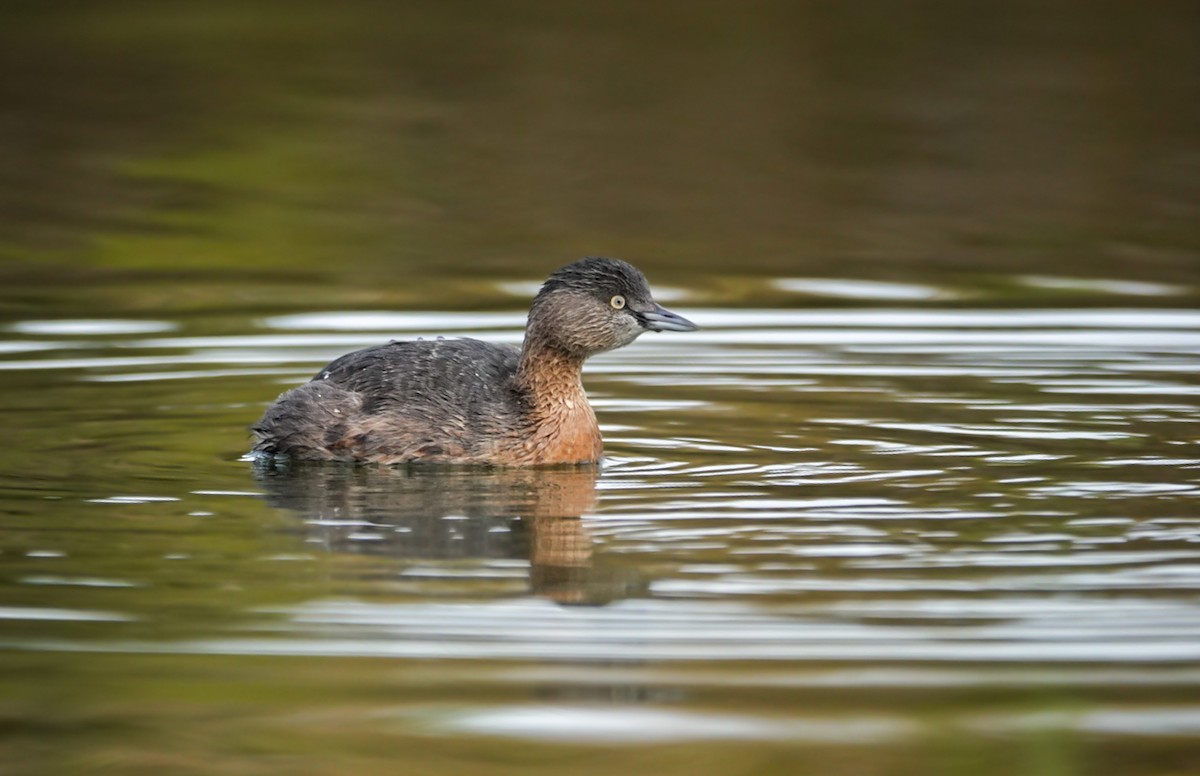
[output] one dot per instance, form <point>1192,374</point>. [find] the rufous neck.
<point>547,371</point>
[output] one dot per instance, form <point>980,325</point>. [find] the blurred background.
<point>920,497</point>
<point>403,144</point>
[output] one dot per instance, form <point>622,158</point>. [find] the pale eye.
<point>618,302</point>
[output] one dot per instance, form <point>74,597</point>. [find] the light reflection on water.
<point>908,498</point>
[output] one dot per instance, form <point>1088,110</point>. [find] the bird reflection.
<point>437,513</point>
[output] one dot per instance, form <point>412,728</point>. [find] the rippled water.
<point>827,528</point>
<point>920,497</point>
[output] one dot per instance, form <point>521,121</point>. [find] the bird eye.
<point>618,302</point>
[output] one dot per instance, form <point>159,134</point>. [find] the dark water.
<point>921,497</point>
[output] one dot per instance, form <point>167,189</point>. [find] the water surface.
<point>920,497</point>
<point>817,528</point>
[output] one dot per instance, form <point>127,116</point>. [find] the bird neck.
<point>562,427</point>
<point>548,373</point>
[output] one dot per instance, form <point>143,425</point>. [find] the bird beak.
<point>662,319</point>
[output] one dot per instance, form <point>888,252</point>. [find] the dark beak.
<point>662,319</point>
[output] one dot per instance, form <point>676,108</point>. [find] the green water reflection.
<point>414,142</point>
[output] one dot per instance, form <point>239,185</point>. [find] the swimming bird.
<point>464,401</point>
